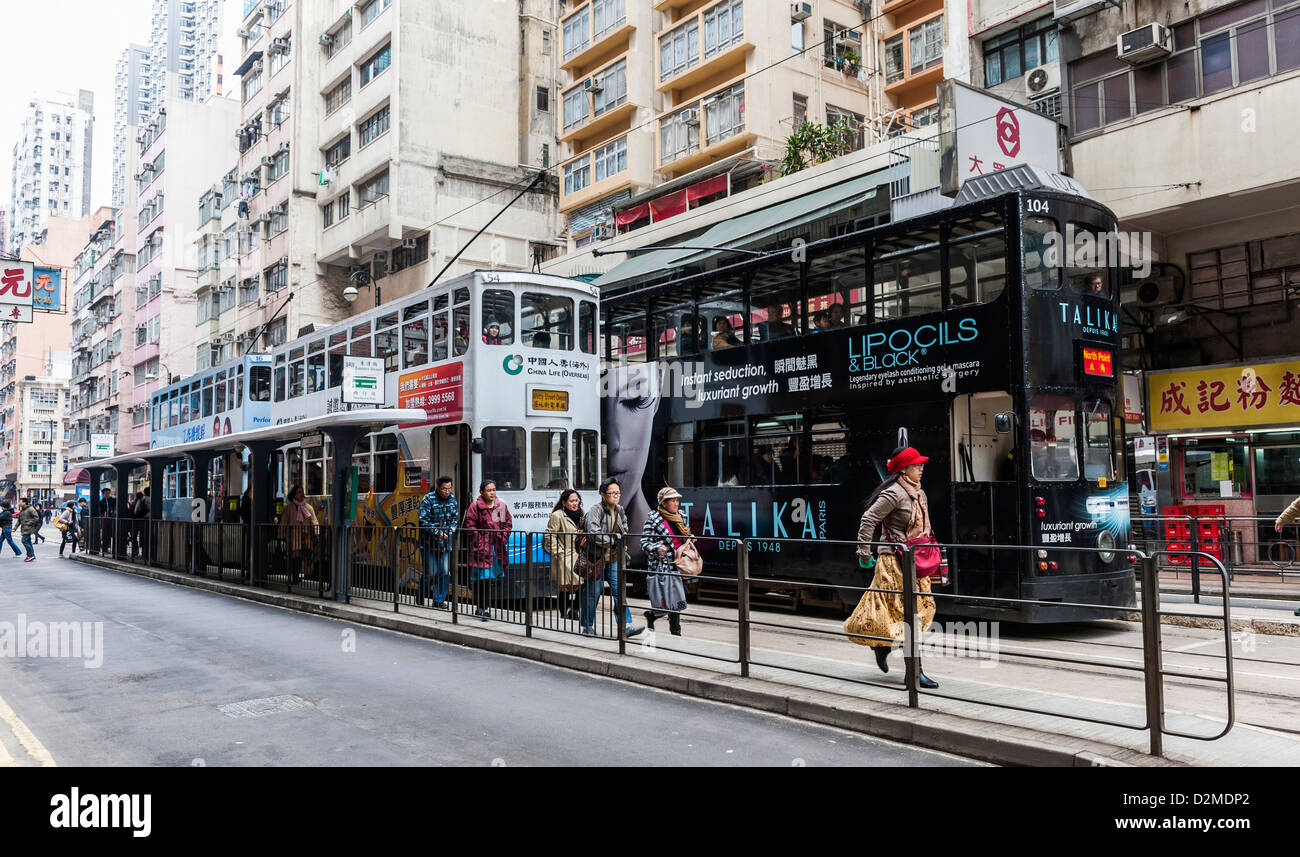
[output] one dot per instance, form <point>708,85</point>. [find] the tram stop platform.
<point>801,670</point>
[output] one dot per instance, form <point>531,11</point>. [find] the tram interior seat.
<point>979,453</point>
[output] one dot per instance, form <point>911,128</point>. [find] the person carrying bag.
<point>665,538</point>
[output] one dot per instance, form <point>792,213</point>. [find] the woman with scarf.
<point>664,533</point>
<point>488,523</point>
<point>607,522</point>
<point>298,525</point>
<point>561,542</point>
<point>900,506</point>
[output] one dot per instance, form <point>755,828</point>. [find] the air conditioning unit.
<point>284,147</point>
<point>1042,80</point>
<point>241,33</point>
<point>257,67</point>
<point>800,11</point>
<point>690,116</point>
<point>848,39</point>
<point>265,218</point>
<point>138,176</point>
<point>593,86</point>
<point>266,160</point>
<point>1071,10</point>
<point>1144,44</point>
<point>327,39</point>
<point>603,231</point>
<point>409,243</point>
<point>1156,291</point>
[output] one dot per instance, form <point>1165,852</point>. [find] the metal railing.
<point>1246,545</point>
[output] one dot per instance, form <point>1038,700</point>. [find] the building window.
<point>248,291</point>
<point>724,114</point>
<point>376,65</point>
<point>374,189</point>
<point>576,33</point>
<point>370,11</point>
<point>925,116</point>
<point>724,26</point>
<point>611,159</point>
<point>341,205</point>
<point>339,152</point>
<point>281,55</point>
<point>1013,53</point>
<point>613,89</point>
<point>339,39</point>
<point>577,175</point>
<point>252,83</point>
<point>277,277</point>
<point>800,109</point>
<point>679,135</point>
<point>279,165</point>
<point>404,257</point>
<point>607,15</point>
<point>327,215</point>
<point>894,59</point>
<point>373,127</point>
<point>856,122</point>
<point>277,333</point>
<point>575,107</point>
<point>679,50</point>
<point>925,45</point>
<point>543,99</point>
<point>546,43</point>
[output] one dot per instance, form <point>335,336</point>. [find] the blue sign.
<point>83,492</point>
<point>47,289</point>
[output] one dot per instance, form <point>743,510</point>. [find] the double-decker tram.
<point>234,396</point>
<point>771,393</point>
<point>504,365</point>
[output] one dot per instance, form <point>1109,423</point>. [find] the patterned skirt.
<point>880,614</point>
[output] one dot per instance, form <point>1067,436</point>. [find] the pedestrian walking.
<point>40,521</point>
<point>7,527</point>
<point>140,522</point>
<point>108,519</point>
<point>665,533</point>
<point>28,522</point>
<point>561,541</point>
<point>438,515</point>
<point>900,506</point>
<point>1289,515</point>
<point>607,521</point>
<point>489,524</point>
<point>66,522</point>
<point>298,525</point>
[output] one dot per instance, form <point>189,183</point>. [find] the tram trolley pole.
<point>911,659</point>
<point>742,606</point>
<point>1152,668</point>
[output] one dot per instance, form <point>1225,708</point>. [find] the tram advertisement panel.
<point>438,390</point>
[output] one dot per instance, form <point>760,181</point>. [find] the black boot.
<point>650,619</point>
<point>675,624</point>
<point>924,681</point>
<point>882,653</point>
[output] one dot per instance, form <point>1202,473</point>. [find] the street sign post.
<point>363,381</point>
<point>101,445</point>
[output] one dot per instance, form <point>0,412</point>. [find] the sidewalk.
<point>842,697</point>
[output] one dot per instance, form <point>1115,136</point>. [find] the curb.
<point>997,744</point>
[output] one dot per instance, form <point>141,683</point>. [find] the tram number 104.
<point>1036,206</point>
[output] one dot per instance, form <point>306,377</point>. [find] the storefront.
<point>1233,440</point>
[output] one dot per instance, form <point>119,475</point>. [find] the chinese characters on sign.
<point>1098,361</point>
<point>363,380</point>
<point>47,289</point>
<point>16,282</point>
<point>1226,397</point>
<point>437,390</point>
<point>550,400</point>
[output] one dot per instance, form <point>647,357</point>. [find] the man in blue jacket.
<point>439,513</point>
<point>7,527</point>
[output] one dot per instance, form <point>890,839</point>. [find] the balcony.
<point>702,47</point>
<point>594,34</point>
<point>597,105</point>
<point>920,73</point>
<point>704,130</point>
<point>601,171</point>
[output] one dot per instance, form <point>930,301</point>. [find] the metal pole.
<point>453,571</point>
<point>1196,561</point>
<point>528,586</point>
<point>392,563</point>
<point>911,661</point>
<point>1151,661</point>
<point>620,595</point>
<point>742,601</point>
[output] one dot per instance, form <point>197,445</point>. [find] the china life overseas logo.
<point>513,364</point>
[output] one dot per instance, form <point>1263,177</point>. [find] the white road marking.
<point>34,748</point>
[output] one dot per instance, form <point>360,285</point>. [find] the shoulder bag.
<point>688,560</point>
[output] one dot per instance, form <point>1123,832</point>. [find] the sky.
<point>54,46</point>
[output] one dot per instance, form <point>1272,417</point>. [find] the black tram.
<point>771,392</point>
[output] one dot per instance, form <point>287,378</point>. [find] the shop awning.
<point>77,476</point>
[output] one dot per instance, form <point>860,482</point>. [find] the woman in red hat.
<point>899,504</point>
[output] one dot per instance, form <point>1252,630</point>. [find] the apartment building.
<point>185,147</point>
<point>132,102</point>
<point>41,439</point>
<point>375,139</point>
<point>676,104</point>
<point>103,322</point>
<point>912,61</point>
<point>51,165</point>
<point>35,351</point>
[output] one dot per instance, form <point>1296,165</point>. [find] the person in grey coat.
<point>664,532</point>
<point>607,521</point>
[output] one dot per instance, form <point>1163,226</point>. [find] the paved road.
<point>342,695</point>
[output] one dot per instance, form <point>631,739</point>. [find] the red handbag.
<point>927,556</point>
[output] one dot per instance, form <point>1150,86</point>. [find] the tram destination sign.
<point>548,401</point>
<point>363,380</point>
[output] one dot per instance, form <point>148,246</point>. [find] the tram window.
<point>441,301</point>
<point>336,366</point>
<point>837,279</point>
<point>498,312</point>
<point>503,457</point>
<point>196,401</point>
<point>587,327</point>
<point>977,260</point>
<point>386,348</point>
<point>184,398</point>
<point>205,403</point>
<point>1053,454</point>
<point>586,460</point>
<point>239,387</point>
<point>385,475</point>
<point>1117,464</point>
<point>439,325</point>
<point>173,411</point>
<point>279,385</point>
<point>460,333</point>
<point>386,321</point>
<point>315,373</point>
<point>829,457</point>
<point>415,310</point>
<point>259,384</point>
<point>907,285</point>
<point>461,295</point>
<point>777,444</point>
<point>361,461</point>
<point>339,339</point>
<point>360,346</point>
<point>722,452</point>
<point>723,312</point>
<point>415,343</point>
<point>550,459</point>
<point>221,392</point>
<point>774,296</point>
<point>297,379</point>
<point>628,338</point>
<point>1042,262</point>
<point>675,334</point>
<point>680,455</point>
<point>1086,258</point>
<point>313,461</point>
<point>546,321</point>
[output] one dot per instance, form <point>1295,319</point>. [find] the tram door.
<point>449,456</point>
<point>985,496</point>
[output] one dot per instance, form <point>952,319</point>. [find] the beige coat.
<point>1289,514</point>
<point>561,542</point>
<point>893,508</point>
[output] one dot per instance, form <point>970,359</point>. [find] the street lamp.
<point>153,376</point>
<point>359,278</point>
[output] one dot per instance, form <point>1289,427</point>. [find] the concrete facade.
<point>51,165</point>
